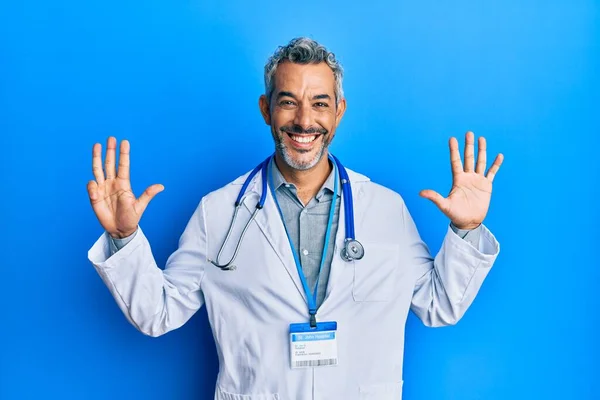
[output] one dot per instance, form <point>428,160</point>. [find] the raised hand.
<point>115,205</point>
<point>469,199</point>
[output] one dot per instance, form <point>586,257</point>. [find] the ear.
<point>263,105</point>
<point>339,112</point>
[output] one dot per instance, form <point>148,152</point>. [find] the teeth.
<point>303,139</point>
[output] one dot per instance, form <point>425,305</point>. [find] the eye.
<point>321,104</point>
<point>286,103</point>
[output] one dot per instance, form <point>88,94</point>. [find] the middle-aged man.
<point>325,265</point>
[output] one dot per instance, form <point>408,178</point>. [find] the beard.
<point>288,154</point>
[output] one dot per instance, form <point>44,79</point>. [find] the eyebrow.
<point>317,97</point>
<point>286,94</point>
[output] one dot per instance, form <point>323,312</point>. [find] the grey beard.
<point>287,157</point>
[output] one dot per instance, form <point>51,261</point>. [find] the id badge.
<point>313,347</point>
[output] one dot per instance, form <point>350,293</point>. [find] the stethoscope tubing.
<point>263,167</point>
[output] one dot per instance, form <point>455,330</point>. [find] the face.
<point>302,113</point>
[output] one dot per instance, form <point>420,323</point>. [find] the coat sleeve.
<point>153,300</point>
<point>445,286</point>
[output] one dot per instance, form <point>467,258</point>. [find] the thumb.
<point>148,195</point>
<point>92,188</point>
<point>439,200</point>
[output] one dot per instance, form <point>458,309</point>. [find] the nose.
<point>304,117</point>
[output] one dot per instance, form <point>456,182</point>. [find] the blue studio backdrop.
<point>181,80</point>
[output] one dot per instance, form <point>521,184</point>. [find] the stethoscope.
<point>352,250</point>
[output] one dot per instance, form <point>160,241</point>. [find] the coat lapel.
<point>270,223</point>
<point>341,272</point>
<point>337,262</point>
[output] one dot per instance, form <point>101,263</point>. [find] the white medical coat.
<point>250,309</point>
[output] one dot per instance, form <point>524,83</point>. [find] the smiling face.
<point>302,113</point>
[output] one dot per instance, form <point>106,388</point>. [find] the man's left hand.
<point>469,199</point>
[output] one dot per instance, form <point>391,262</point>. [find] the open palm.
<point>112,199</point>
<point>469,199</point>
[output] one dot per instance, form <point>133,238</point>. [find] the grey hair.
<point>303,50</point>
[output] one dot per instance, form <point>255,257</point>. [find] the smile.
<point>303,138</point>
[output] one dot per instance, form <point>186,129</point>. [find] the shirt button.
<point>287,185</point>
<point>305,252</point>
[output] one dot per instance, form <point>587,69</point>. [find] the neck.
<point>307,182</point>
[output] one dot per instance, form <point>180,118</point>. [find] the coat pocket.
<point>375,273</point>
<point>383,391</point>
<point>223,395</point>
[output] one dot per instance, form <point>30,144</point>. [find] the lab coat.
<point>250,309</point>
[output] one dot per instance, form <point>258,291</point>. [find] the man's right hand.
<point>115,205</point>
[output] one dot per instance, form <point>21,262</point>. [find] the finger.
<point>469,152</point>
<point>123,171</point>
<point>109,162</point>
<point>495,167</point>
<point>481,156</point>
<point>92,188</point>
<point>439,200</point>
<point>148,195</point>
<point>455,162</point>
<point>97,163</point>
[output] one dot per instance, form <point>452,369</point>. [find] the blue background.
<point>181,79</point>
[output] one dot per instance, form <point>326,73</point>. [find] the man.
<point>292,317</point>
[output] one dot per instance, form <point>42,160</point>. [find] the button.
<point>287,185</point>
<point>305,252</point>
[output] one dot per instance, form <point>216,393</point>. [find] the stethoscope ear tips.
<point>225,267</point>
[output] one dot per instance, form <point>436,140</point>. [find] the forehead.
<point>304,77</point>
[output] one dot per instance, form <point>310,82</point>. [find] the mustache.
<point>297,129</point>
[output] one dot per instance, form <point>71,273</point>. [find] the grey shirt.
<point>306,225</point>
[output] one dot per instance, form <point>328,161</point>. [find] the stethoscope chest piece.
<point>352,250</point>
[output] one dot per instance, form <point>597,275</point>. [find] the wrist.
<point>122,235</point>
<point>466,227</point>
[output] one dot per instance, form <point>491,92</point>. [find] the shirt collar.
<point>279,180</point>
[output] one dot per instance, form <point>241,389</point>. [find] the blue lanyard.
<point>311,298</point>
